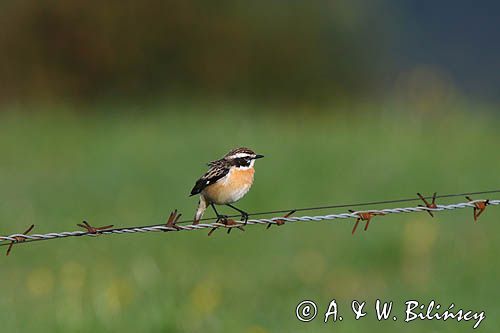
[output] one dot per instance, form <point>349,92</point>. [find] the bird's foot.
<point>221,219</point>
<point>244,218</point>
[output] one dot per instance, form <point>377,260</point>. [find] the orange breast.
<point>230,188</point>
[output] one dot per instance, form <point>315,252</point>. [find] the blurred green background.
<point>109,111</point>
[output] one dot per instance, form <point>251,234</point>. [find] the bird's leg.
<point>222,218</point>
<point>244,215</point>
<point>219,217</point>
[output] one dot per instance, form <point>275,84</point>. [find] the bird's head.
<point>242,157</point>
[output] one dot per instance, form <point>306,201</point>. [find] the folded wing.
<point>216,171</point>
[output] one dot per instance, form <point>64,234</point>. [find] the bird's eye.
<point>243,162</point>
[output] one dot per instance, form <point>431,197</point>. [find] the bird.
<point>227,180</point>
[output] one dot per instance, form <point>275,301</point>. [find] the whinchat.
<point>226,181</point>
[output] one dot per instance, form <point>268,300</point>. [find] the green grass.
<point>131,169</point>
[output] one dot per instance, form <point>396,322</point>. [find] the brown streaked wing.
<point>217,170</point>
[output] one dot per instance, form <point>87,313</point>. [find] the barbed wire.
<point>350,205</point>
<point>172,225</point>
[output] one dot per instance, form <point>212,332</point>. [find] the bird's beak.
<point>258,156</point>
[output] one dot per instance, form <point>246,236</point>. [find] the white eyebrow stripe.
<point>240,155</point>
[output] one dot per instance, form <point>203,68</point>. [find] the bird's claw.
<point>221,218</point>
<point>244,218</point>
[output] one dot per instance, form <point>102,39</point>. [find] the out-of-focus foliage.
<point>57,169</point>
<point>252,49</point>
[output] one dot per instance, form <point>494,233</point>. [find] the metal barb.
<point>19,239</point>
<point>280,221</point>
<point>364,216</point>
<point>427,204</point>
<point>172,220</point>
<point>479,207</point>
<point>228,223</point>
<point>93,230</point>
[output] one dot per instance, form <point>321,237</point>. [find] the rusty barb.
<point>279,222</point>
<point>19,239</point>
<point>227,223</point>
<point>364,216</point>
<point>230,223</point>
<point>174,223</point>
<point>93,230</point>
<point>172,220</point>
<point>479,207</point>
<point>431,205</point>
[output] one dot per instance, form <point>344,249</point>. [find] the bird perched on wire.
<point>226,181</point>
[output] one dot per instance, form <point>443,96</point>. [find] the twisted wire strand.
<point>359,204</point>
<point>5,240</point>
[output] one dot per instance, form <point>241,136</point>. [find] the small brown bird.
<point>226,181</point>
